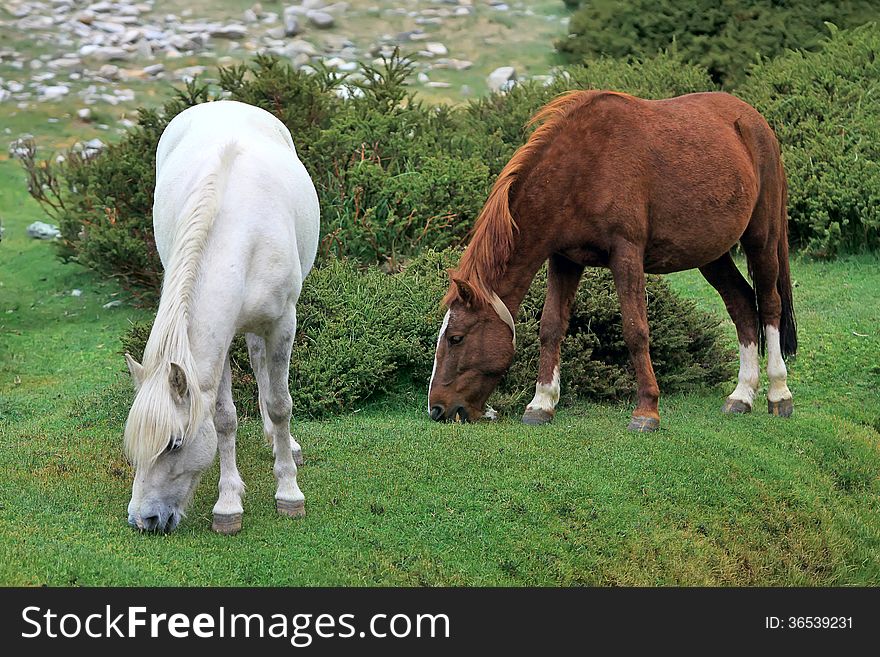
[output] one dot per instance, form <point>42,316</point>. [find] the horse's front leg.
<point>228,509</point>
<point>627,266</point>
<point>289,499</point>
<point>563,277</point>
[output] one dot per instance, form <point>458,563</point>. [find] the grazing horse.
<point>236,222</point>
<point>609,180</point>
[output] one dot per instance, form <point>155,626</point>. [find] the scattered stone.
<point>436,48</point>
<point>85,114</point>
<point>321,19</point>
<point>110,54</point>
<point>42,231</point>
<point>54,92</point>
<point>189,73</point>
<point>66,63</point>
<point>154,69</point>
<point>76,292</point>
<point>109,72</point>
<point>229,32</point>
<point>112,304</point>
<point>291,23</point>
<point>502,78</point>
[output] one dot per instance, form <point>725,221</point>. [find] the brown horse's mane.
<point>491,245</point>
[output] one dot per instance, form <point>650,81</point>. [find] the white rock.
<point>229,32</point>
<point>291,24</point>
<point>144,50</point>
<point>54,92</point>
<point>436,48</point>
<point>85,113</point>
<point>109,27</point>
<point>42,231</point>
<point>109,71</point>
<point>65,63</point>
<point>320,19</point>
<point>501,78</point>
<point>112,304</point>
<point>110,54</point>
<point>76,292</point>
<point>300,46</point>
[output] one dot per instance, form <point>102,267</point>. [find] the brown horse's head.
<point>474,350</point>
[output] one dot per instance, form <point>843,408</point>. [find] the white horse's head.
<point>169,440</point>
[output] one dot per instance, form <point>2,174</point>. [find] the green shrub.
<point>364,334</point>
<point>723,37</point>
<point>825,109</point>
<point>393,176</point>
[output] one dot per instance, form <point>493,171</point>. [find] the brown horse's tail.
<point>787,322</point>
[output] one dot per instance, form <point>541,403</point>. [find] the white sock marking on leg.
<point>776,371</point>
<point>749,374</point>
<point>546,395</point>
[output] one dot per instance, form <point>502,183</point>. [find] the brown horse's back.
<point>681,177</point>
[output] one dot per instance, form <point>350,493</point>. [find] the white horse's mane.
<point>152,420</point>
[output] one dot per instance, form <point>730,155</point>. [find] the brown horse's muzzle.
<point>440,413</point>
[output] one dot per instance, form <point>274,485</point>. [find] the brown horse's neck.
<point>530,250</point>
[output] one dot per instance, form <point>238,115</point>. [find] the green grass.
<point>394,499</point>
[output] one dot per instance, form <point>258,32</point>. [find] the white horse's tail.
<point>153,421</point>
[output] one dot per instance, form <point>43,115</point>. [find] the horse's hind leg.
<point>257,353</point>
<point>289,499</point>
<point>739,298</point>
<point>627,266</point>
<point>563,277</point>
<point>228,509</point>
<point>765,271</point>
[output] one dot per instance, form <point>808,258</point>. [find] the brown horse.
<point>609,180</point>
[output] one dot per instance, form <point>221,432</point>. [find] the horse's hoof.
<point>227,523</point>
<point>644,424</point>
<point>298,457</point>
<point>781,408</point>
<point>537,416</point>
<point>735,406</point>
<point>295,509</point>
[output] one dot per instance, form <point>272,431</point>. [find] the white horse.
<point>236,222</point>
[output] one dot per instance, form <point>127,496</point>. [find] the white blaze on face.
<point>434,369</point>
<point>776,371</point>
<point>749,373</point>
<point>546,394</point>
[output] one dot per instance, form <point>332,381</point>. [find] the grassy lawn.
<point>394,499</point>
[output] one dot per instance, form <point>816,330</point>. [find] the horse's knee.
<point>225,419</point>
<point>279,407</point>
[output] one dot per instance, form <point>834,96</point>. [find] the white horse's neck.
<point>152,415</point>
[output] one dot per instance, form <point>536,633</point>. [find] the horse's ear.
<point>136,370</point>
<point>465,291</point>
<point>177,381</point>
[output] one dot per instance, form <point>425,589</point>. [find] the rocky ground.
<point>94,62</point>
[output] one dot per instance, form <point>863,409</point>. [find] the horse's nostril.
<point>437,413</point>
<point>149,523</point>
<point>458,412</point>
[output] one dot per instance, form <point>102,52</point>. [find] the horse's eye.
<point>174,444</point>
<point>455,339</point>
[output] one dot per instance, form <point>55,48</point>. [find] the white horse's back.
<point>264,234</point>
